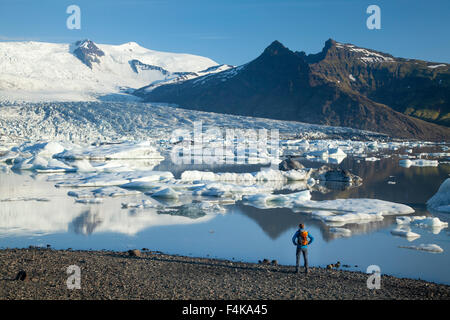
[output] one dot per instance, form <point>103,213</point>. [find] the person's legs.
<point>297,256</point>
<point>305,257</point>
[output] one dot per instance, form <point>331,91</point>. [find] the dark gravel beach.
<point>153,275</point>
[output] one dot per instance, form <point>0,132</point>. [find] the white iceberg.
<point>340,232</point>
<point>89,200</point>
<point>166,193</point>
<point>407,220</point>
<point>405,232</point>
<point>123,179</point>
<point>406,163</point>
<point>42,149</point>
<point>441,200</point>
<point>425,247</point>
<point>103,192</point>
<point>220,189</point>
<point>330,211</point>
<point>125,150</point>
<point>144,204</point>
<point>260,176</point>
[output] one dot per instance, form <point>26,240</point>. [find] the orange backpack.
<point>303,238</point>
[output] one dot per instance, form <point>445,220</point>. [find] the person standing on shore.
<point>302,239</point>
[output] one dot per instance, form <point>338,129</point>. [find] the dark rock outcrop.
<point>341,86</point>
<point>88,52</point>
<point>290,164</point>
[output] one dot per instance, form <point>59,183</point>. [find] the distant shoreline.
<point>157,276</point>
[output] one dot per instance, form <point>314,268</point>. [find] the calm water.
<point>243,233</point>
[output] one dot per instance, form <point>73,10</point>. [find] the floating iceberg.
<point>144,204</point>
<point>432,223</point>
<point>340,232</point>
<point>40,164</point>
<point>441,200</point>
<point>166,193</point>
<point>406,163</point>
<point>47,157</point>
<point>103,192</point>
<point>260,176</point>
<point>330,211</point>
<point>219,189</point>
<point>24,199</point>
<point>407,220</point>
<point>405,232</point>
<point>125,150</point>
<point>105,179</point>
<point>264,200</point>
<point>42,149</point>
<point>89,200</point>
<point>425,247</point>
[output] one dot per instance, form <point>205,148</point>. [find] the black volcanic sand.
<point>153,275</point>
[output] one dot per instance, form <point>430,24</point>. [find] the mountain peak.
<point>131,44</point>
<point>330,43</point>
<point>86,43</point>
<point>276,48</point>
<point>87,52</point>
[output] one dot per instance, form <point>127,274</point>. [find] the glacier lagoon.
<point>33,211</point>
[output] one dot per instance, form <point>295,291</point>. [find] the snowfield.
<point>39,71</point>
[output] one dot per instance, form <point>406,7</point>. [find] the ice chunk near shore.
<point>441,200</point>
<point>360,206</point>
<point>340,211</point>
<point>434,248</point>
<point>407,163</point>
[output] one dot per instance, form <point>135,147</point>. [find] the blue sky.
<point>235,32</point>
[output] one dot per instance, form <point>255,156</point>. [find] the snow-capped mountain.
<point>38,71</point>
